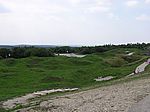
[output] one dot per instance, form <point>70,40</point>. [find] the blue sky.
<point>74,22</point>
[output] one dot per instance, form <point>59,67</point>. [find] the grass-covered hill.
<point>25,75</point>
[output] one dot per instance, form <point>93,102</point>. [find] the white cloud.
<point>147,1</point>
<point>74,2</point>
<point>4,9</point>
<point>33,11</point>
<point>59,22</point>
<point>98,9</point>
<point>104,2</point>
<point>143,17</point>
<point>113,16</point>
<point>132,3</point>
<point>100,6</point>
<point>33,6</point>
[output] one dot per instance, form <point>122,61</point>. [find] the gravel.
<point>114,98</point>
<point>104,78</point>
<point>24,100</point>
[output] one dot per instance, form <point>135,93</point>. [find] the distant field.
<point>21,76</point>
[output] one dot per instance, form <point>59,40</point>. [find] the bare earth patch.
<point>141,68</point>
<point>104,78</point>
<point>23,100</point>
<point>115,98</point>
<point>71,55</point>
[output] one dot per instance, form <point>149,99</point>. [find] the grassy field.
<point>21,76</point>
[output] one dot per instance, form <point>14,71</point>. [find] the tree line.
<point>23,52</point>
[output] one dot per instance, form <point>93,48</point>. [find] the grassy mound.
<point>21,76</point>
<point>115,62</point>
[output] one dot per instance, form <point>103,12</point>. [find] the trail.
<point>142,106</point>
<point>141,68</point>
<point>115,98</point>
<point>23,100</point>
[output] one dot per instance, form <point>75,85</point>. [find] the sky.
<point>74,22</point>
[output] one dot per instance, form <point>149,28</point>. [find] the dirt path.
<point>141,68</point>
<point>115,98</point>
<point>24,100</point>
<point>142,106</point>
<point>71,55</point>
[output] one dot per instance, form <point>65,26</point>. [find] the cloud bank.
<point>77,22</point>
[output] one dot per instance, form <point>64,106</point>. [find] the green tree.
<point>18,52</point>
<point>42,52</point>
<point>5,53</point>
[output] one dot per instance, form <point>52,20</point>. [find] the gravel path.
<point>24,100</point>
<point>142,106</point>
<point>141,68</point>
<point>115,98</point>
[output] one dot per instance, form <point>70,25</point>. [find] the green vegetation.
<point>39,51</point>
<point>25,75</point>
